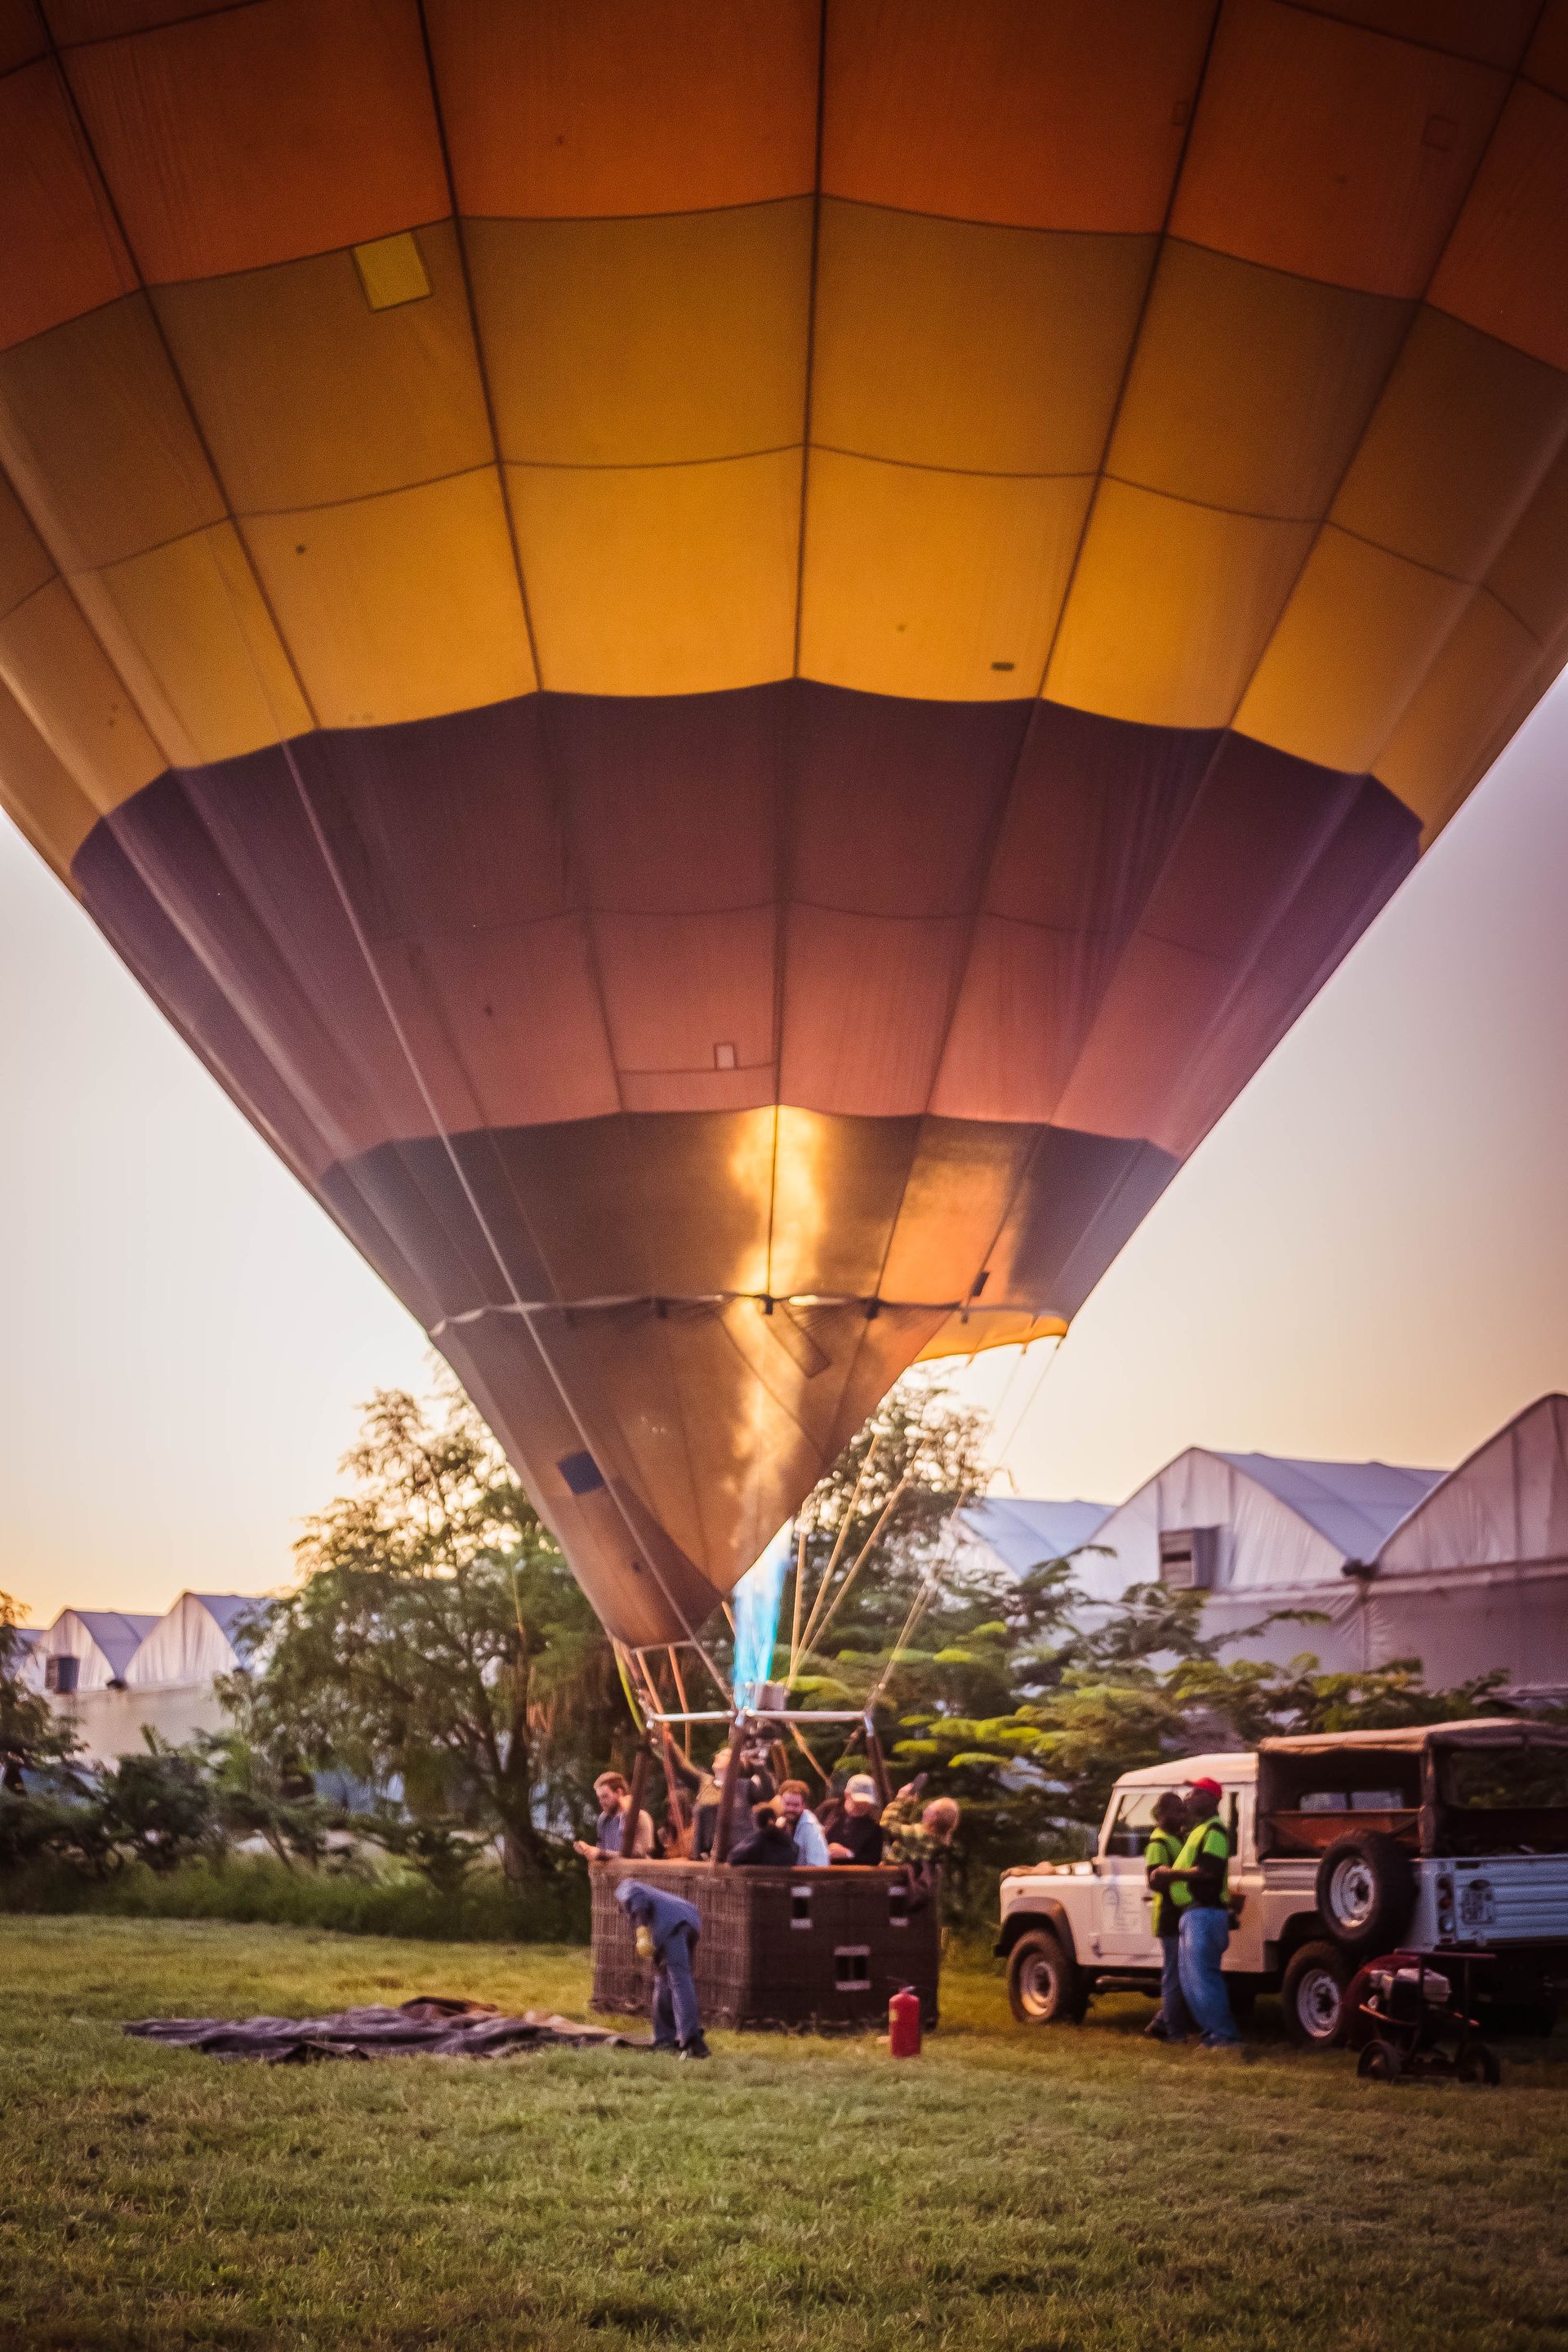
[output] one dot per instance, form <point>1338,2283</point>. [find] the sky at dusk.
<point>1369,1256</point>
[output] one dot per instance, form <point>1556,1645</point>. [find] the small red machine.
<point>1407,2022</point>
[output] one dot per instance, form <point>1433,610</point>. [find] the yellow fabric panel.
<point>38,793</point>
<point>1506,269</point>
<point>1328,151</point>
<point>1461,439</point>
<point>307,395</point>
<point>1067,116</point>
<point>663,578</point>
<point>1171,607</point>
<point>22,34</point>
<point>25,561</point>
<point>945,587</point>
<point>190,633</point>
<point>259,133</point>
<point>403,606</point>
<point>96,434</point>
<point>1530,575</point>
<point>1353,645</point>
<point>1547,61</point>
<point>57,672</point>
<point>1469,703</point>
<point>1000,1326</point>
<point>1249,387</point>
<point>631,342</point>
<point>958,344</point>
<point>1493,32</point>
<point>561,113</point>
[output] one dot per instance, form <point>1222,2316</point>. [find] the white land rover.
<point>1447,1840</point>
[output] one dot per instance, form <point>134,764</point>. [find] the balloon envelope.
<point>733,665</point>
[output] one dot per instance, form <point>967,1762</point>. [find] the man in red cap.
<point>1200,1897</point>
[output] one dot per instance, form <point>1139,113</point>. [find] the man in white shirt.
<point>810,1845</point>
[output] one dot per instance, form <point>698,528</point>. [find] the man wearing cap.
<point>666,1933</point>
<point>857,1835</point>
<point>1199,1894</point>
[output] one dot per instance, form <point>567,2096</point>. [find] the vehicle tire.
<point>1476,2063</point>
<point>1313,1997</point>
<point>1044,1985</point>
<point>1366,1890</point>
<point>1380,2062</point>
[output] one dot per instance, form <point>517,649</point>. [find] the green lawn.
<point>1008,2192</point>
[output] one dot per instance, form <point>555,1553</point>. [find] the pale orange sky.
<point>1368,1256</point>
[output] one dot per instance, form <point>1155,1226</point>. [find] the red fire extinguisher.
<point>904,2023</point>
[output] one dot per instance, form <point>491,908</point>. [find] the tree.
<point>33,1738</point>
<point>438,1648</point>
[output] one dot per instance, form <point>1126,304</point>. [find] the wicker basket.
<point>824,1949</point>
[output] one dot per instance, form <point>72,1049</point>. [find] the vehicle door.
<point>1245,1950</point>
<point>1124,1900</point>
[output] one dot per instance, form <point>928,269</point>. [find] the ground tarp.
<point>431,2026</point>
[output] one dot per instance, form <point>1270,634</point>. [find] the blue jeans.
<point>675,2017</point>
<point>1174,2015</point>
<point>1204,1935</point>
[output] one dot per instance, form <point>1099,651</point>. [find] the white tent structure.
<point>1024,1534</point>
<point>136,1673</point>
<point>1464,1569</point>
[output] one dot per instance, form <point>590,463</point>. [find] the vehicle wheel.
<point>1045,1987</point>
<point>1380,2062</point>
<point>1313,1997</point>
<point>1366,1892</point>
<point>1476,2063</point>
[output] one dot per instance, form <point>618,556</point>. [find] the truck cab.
<point>1447,1839</point>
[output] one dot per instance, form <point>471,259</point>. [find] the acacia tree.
<point>438,1643</point>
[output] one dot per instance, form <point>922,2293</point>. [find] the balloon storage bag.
<point>824,1949</point>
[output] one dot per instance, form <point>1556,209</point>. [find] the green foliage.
<point>436,1645</point>
<point>32,1737</point>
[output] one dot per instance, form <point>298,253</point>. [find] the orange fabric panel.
<point>942,586</point>
<point>101,20</point>
<point>628,106</point>
<point>1069,115</point>
<point>1249,387</point>
<point>263,132</point>
<point>1506,269</point>
<point>957,344</point>
<point>835,1185</point>
<point>866,1007</point>
<point>24,562</point>
<point>400,607</point>
<point>1548,59</point>
<point>60,254</point>
<point>1165,996</point>
<point>22,35</point>
<point>1332,152</point>
<point>631,342</point>
<point>1462,438</point>
<point>1170,608</point>
<point>970,1334</point>
<point>307,395</point>
<point>96,433</point>
<point>56,668</point>
<point>679,988</point>
<point>1529,576</point>
<point>188,631</point>
<point>39,793</point>
<point>1480,686</point>
<point>662,579</point>
<point>1493,32</point>
<point>960,1185</point>
<point>1016,1026</point>
<point>1353,645</point>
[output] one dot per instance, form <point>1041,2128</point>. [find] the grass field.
<point>1008,2192</point>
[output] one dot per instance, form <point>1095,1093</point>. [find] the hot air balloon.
<point>732,665</point>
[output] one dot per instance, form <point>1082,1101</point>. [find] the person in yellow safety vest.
<point>1171,2021</point>
<point>1197,1883</point>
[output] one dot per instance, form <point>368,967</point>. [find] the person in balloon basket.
<point>609,1840</point>
<point>1197,1884</point>
<point>857,1835</point>
<point>770,1845</point>
<point>794,1809</point>
<point>918,1839</point>
<point>1171,2020</point>
<point>666,1933</point>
